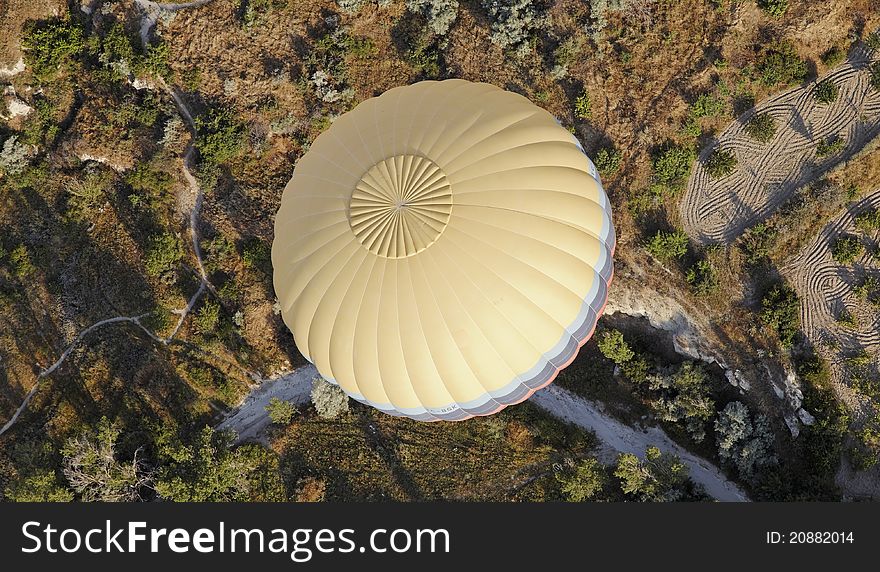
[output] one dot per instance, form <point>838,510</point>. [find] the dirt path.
<point>826,291</point>
<point>136,320</point>
<point>250,420</point>
<point>766,175</point>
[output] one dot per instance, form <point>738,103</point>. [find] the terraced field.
<point>766,174</point>
<point>839,314</point>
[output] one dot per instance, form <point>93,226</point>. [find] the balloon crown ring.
<point>400,206</point>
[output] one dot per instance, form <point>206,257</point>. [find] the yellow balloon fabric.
<point>443,250</point>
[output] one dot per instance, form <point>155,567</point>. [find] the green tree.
<point>826,92</point>
<point>780,309</point>
<point>721,163</point>
<point>671,167</point>
<point>775,8</point>
<point>163,254</point>
<point>607,161</point>
<point>661,477</point>
<point>206,468</point>
<point>761,127</point>
<point>52,44</point>
<point>782,66</point>
<point>583,108</point>
<point>847,249</point>
<point>40,487</point>
<point>614,347</point>
<point>93,470</point>
<point>584,482</point>
<point>668,245</point>
<point>280,411</point>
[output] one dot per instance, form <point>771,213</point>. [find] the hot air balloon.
<point>443,250</point>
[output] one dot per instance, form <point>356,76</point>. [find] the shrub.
<point>40,487</point>
<point>782,65</point>
<point>671,167</point>
<point>584,482</point>
<point>668,245</point>
<point>661,477</point>
<point>875,75</point>
<point>743,442</point>
<point>607,161</point>
<point>834,56</point>
<point>872,40</point>
<point>257,255</point>
<point>280,411</point>
<point>614,347</point>
<point>703,278</point>
<point>829,147</point>
<point>761,127</point>
<point>163,253</point>
<point>440,14</point>
<point>51,44</point>
<point>758,241</point>
<point>869,220</point>
<point>94,472</point>
<point>826,92</point>
<point>775,8</point>
<point>14,156</point>
<point>685,397</point>
<point>721,163</point>
<point>512,22</point>
<point>329,400</point>
<point>218,135</point>
<point>207,318</point>
<point>707,105</point>
<point>20,262</point>
<point>780,309</point>
<point>846,249</point>
<point>583,106</point>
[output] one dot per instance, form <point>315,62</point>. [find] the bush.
<point>583,106</point>
<point>831,146</point>
<point>41,487</point>
<point>163,253</point>
<point>207,318</point>
<point>14,156</point>
<point>703,278</point>
<point>846,250</point>
<point>94,472</point>
<point>780,309</point>
<point>826,92</point>
<point>440,14</point>
<point>875,75</point>
<point>834,56</point>
<point>614,347</point>
<point>51,44</point>
<point>685,397</point>
<point>775,8</point>
<point>280,411</point>
<point>668,245</point>
<point>218,135</point>
<point>583,483</point>
<point>661,477</point>
<point>20,262</point>
<point>744,443</point>
<point>761,127</point>
<point>707,105</point>
<point>758,241</point>
<point>869,220</point>
<point>671,167</point>
<point>721,163</point>
<point>607,161</point>
<point>782,66</point>
<point>512,22</point>
<point>328,398</point>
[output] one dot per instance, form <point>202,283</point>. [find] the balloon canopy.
<point>443,250</point>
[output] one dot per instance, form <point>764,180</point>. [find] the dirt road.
<point>250,421</point>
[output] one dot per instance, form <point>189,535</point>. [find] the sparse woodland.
<point>141,166</point>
